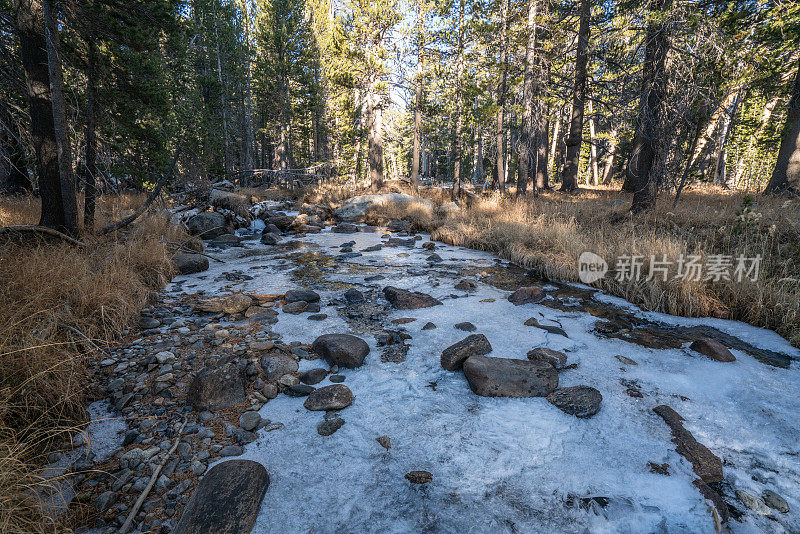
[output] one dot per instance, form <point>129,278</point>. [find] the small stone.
<point>553,357</point>
<point>165,357</point>
<point>466,285</point>
<point>580,401</point>
<point>105,501</point>
<point>625,360</point>
<point>773,500</point>
<point>454,356</point>
<point>297,295</point>
<point>465,326</point>
<point>295,307</point>
<point>329,426</point>
<point>753,502</point>
<point>334,397</point>
<point>288,380</point>
<point>313,376</point>
<point>317,317</point>
<point>186,263</point>
<point>419,477</point>
<point>299,390</point>
<point>277,365</point>
<point>231,450</point>
<point>659,469</point>
<point>336,379</point>
<point>533,321</point>
<point>526,295</point>
<point>146,323</point>
<point>713,349</point>
<point>353,296</point>
<point>270,391</point>
<point>429,326</point>
<point>385,442</point>
<point>409,300</point>
<point>249,420</point>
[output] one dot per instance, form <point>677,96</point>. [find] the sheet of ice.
<point>514,465</point>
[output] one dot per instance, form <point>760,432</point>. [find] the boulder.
<point>186,263</point>
<point>453,356</point>
<point>526,295</point>
<point>403,299</point>
<point>580,401</point>
<point>553,357</point>
<point>333,397</point>
<point>282,222</point>
<point>298,306</point>
<point>343,350</point>
<point>217,388</point>
<point>269,238</point>
<point>227,499</point>
<point>277,365</point>
<point>207,225</point>
<point>713,349</point>
<point>705,463</point>
<point>357,207</point>
<point>505,377</point>
<point>345,228</point>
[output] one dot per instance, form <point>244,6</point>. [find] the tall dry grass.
<point>548,233</point>
<point>59,305</point>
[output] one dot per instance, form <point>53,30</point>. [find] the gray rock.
<point>343,350</point>
<point>705,463</point>
<point>227,499</point>
<point>465,326</point>
<point>146,323</point>
<point>403,299</point>
<point>353,296</point>
<point>295,295</point>
<point>429,326</point>
<point>345,228</point>
<point>336,379</point>
<point>334,397</point>
<point>753,502</point>
<point>313,376</point>
<point>207,225</point>
<point>580,401</point>
<point>231,450</point>
<point>317,317</point>
<point>186,263</point>
<point>385,442</point>
<point>217,388</point>
<point>773,500</point>
<point>105,501</point>
<point>329,426</point>
<point>504,377</point>
<point>713,349</point>
<point>298,306</point>
<point>454,356</point>
<point>277,365</point>
<point>299,390</point>
<point>269,238</point>
<point>249,420</point>
<point>553,357</point>
<point>419,477</point>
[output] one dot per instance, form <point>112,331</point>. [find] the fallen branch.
<point>183,248</point>
<point>35,229</point>
<point>128,220</point>
<point>143,496</point>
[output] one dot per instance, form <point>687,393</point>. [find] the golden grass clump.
<point>54,299</point>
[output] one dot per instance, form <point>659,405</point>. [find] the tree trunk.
<point>645,148</point>
<point>501,99</point>
<point>418,100</point>
<point>531,114</point>
<point>222,98</point>
<point>33,50</point>
<point>608,168</point>
<point>569,180</point>
<point>786,174</point>
<point>542,174</point>
<point>375,141</point>
<point>90,163</point>
<point>721,176</point>
<point>458,141</point>
<point>593,148</point>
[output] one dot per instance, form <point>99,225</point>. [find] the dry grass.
<point>548,234</point>
<point>50,298</point>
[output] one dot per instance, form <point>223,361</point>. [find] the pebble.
<point>231,450</point>
<point>249,420</point>
<point>336,379</point>
<point>328,427</point>
<point>773,500</point>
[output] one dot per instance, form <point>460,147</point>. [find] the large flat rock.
<point>217,388</point>
<point>343,350</point>
<point>505,377</point>
<point>402,299</point>
<point>227,499</point>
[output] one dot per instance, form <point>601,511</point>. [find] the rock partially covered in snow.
<point>555,358</point>
<point>343,350</point>
<point>713,349</point>
<point>357,207</point>
<point>505,377</point>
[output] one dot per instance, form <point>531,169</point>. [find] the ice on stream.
<point>512,465</point>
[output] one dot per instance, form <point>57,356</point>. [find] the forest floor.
<point>498,464</point>
<point>485,464</point>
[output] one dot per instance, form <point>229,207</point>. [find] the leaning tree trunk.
<point>786,175</point>
<point>33,50</point>
<point>569,181</point>
<point>641,168</point>
<point>500,133</point>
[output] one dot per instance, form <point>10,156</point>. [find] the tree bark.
<point>608,168</point>
<point>786,174</point>
<point>415,156</point>
<point>375,141</point>
<point>531,113</point>
<point>721,176</point>
<point>645,148</point>
<point>90,163</point>
<point>33,51</point>
<point>501,98</point>
<point>458,141</point>
<point>593,147</point>
<point>569,180</point>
